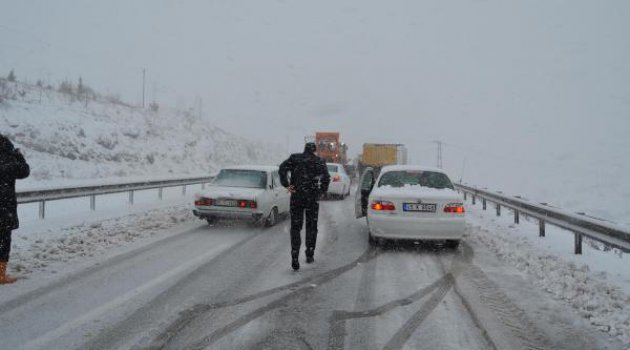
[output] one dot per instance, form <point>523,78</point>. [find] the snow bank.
<point>90,239</point>
<point>606,306</point>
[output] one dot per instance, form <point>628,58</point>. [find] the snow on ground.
<point>71,230</point>
<point>596,284</point>
<point>89,239</point>
<point>65,140</point>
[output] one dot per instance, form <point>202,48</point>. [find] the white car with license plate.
<point>410,202</point>
<point>244,192</point>
<point>339,181</point>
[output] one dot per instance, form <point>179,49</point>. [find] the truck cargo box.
<point>378,155</point>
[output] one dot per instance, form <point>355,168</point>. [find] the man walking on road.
<point>309,180</point>
<point>12,167</point>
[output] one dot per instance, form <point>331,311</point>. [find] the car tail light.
<point>383,205</point>
<point>247,204</point>
<point>336,178</point>
<point>457,208</point>
<point>203,201</point>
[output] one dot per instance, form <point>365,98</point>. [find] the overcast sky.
<point>495,80</point>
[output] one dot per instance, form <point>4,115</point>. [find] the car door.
<point>281,195</point>
<point>366,184</point>
<point>267,198</point>
<point>345,180</point>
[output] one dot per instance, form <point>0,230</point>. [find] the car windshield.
<point>241,178</point>
<point>332,168</point>
<point>401,178</point>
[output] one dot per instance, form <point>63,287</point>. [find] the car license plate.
<point>421,207</point>
<point>226,203</point>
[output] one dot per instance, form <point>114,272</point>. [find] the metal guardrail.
<point>43,196</point>
<point>579,223</point>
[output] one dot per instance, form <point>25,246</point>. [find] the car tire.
<point>371,240</point>
<point>452,243</point>
<point>211,220</point>
<point>272,219</point>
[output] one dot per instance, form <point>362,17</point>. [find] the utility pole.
<point>439,153</point>
<point>143,84</point>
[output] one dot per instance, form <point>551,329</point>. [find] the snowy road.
<point>231,287</point>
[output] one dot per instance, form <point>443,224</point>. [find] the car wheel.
<point>272,219</point>
<point>211,220</point>
<point>452,243</point>
<point>342,196</point>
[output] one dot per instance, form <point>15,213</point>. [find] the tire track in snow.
<point>297,289</point>
<point>488,293</point>
<point>510,315</point>
<point>113,261</point>
<point>339,318</point>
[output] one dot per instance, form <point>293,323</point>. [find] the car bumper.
<point>227,213</point>
<point>394,227</point>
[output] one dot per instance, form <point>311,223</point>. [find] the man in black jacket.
<point>12,167</point>
<point>309,180</point>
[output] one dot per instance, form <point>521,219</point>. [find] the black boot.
<point>295,263</point>
<point>310,253</point>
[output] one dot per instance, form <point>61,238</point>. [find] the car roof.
<point>267,168</point>
<point>411,167</point>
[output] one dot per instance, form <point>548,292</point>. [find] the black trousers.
<point>5,244</point>
<point>304,205</point>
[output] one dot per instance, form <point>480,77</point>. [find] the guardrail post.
<point>130,197</point>
<point>465,195</point>
<point>160,193</point>
<point>541,228</point>
<point>578,243</point>
<point>42,209</point>
<point>517,218</point>
<point>93,202</point>
<point>474,199</point>
<point>203,186</point>
<point>483,202</point>
<point>184,190</point>
<point>498,209</point>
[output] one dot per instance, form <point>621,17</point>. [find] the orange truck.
<point>329,147</point>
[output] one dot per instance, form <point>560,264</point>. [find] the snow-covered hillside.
<point>67,140</point>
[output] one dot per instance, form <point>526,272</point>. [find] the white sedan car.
<point>244,192</point>
<point>410,202</point>
<point>339,181</point>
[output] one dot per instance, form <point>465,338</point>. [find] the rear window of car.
<point>332,168</point>
<point>400,178</point>
<point>241,178</point>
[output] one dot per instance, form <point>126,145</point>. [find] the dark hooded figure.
<point>309,180</point>
<point>12,167</point>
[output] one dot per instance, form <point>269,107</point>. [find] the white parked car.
<point>244,192</point>
<point>339,181</point>
<point>410,202</point>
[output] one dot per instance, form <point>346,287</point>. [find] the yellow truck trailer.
<point>378,155</point>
